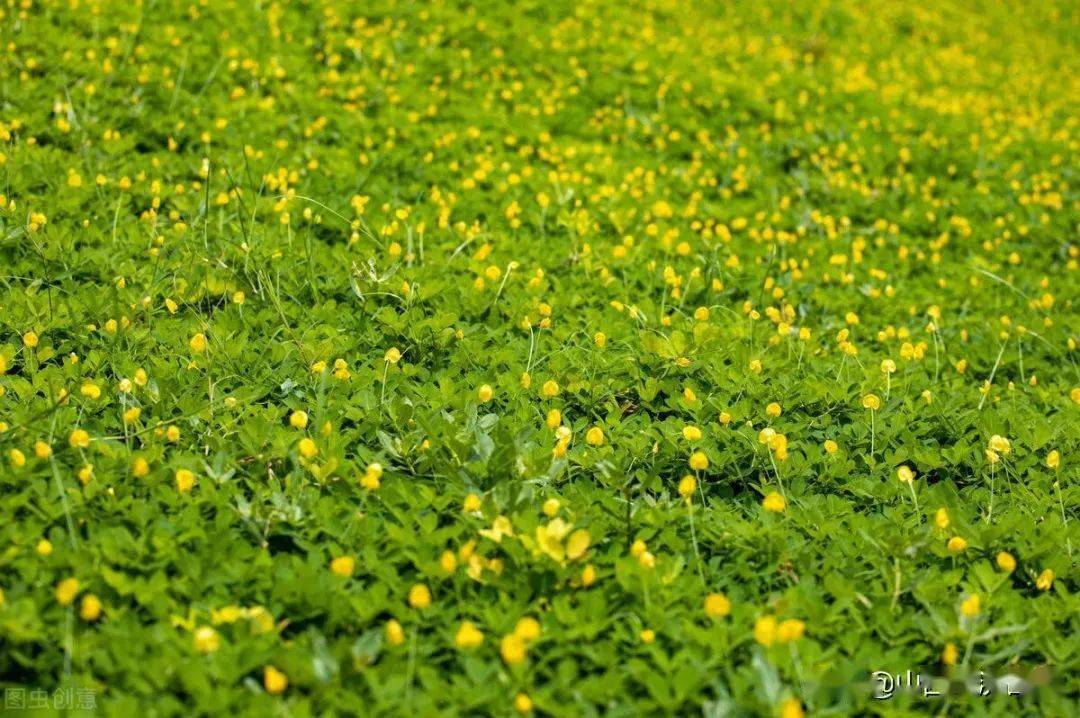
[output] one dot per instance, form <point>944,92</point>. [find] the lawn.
<point>539,358</point>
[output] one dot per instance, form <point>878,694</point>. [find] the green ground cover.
<point>563,358</point>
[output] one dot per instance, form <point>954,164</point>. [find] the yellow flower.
<point>206,639</point>
<point>600,339</point>
<point>226,614</point>
<point>698,461</point>
<point>970,606</point>
<point>198,343</point>
<point>950,655</point>
<point>765,630</point>
<point>512,649</point>
<point>791,708</point>
<point>831,446</point>
<point>185,480</point>
<point>419,596</point>
<point>471,503</point>
<point>577,544</point>
<point>527,629</point>
<point>554,418</point>
<point>588,576</point>
<point>372,476</point>
<point>307,448</point>
<point>343,566</point>
<point>132,415</point>
<point>44,547</point>
<point>773,410</point>
<point>725,418</point>
<point>79,439</point>
<point>941,518</point>
<point>551,507</point>
<point>549,539</point>
<point>500,527</point>
<point>90,609</point>
<point>66,591</point>
<point>774,503</point>
<point>789,630</point>
<point>274,681</point>
<point>1006,562</point>
<point>717,605</point>
<point>395,634</point>
<point>468,636</point>
<point>139,467</point>
<point>778,443</point>
<point>687,486</point>
<point>957,544</point>
<point>871,402</point>
<point>484,393</point>
<point>647,636</point>
<point>522,703</point>
<point>905,474</point>
<point>392,356</point>
<point>30,340</point>
<point>550,389</point>
<point>18,458</point>
<point>90,390</point>
<point>999,444</point>
<point>173,433</point>
<point>1045,580</point>
<point>691,433</point>
<point>594,436</point>
<point>1053,459</point>
<point>298,419</point>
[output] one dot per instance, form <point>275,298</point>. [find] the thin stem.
<point>990,380</point>
<point>937,359</point>
<point>776,470</point>
<point>410,668</point>
<point>382,391</point>
<point>1064,519</point>
<point>915,498</point>
<point>69,642</point>
<point>693,539</point>
<point>872,433</point>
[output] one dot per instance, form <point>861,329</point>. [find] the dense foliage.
<point>396,358</point>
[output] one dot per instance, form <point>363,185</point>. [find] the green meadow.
<point>540,358</point>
